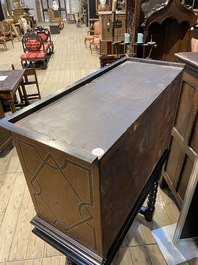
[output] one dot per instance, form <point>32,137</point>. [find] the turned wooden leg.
<point>148,211</point>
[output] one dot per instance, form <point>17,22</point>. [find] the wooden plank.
<point>6,188</point>
<point>23,229</point>
<point>11,215</point>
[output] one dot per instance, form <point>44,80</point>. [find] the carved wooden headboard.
<point>169,26</point>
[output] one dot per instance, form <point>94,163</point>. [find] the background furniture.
<point>184,143</point>
<point>34,50</point>
<point>92,32</point>
<point>169,26</point>
<point>45,35</point>
<point>107,59</point>
<point>6,33</point>
<point>5,135</point>
<point>29,79</point>
<point>106,31</point>
<point>54,28</point>
<point>101,172</point>
<point>56,20</point>
<point>13,79</point>
<point>94,42</point>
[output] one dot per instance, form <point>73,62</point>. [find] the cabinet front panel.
<point>64,191</point>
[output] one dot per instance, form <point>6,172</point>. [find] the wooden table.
<point>5,135</point>
<point>91,152</point>
<point>10,80</point>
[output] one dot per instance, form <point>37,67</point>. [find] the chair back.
<point>96,28</point>
<point>6,33</point>
<point>6,28</point>
<point>32,42</point>
<point>44,33</point>
<point>50,14</point>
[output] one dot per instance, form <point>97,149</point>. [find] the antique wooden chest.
<point>88,151</point>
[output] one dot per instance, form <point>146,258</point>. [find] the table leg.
<point>16,32</point>
<point>25,94</point>
<point>148,211</point>
<point>12,105</point>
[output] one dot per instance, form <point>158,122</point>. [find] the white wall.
<point>74,6</point>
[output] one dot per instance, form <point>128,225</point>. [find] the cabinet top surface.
<point>190,58</point>
<point>98,113</point>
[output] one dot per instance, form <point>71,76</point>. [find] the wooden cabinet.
<point>88,153</point>
<point>184,143</point>
<point>106,31</point>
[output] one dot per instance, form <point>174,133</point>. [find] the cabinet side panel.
<point>126,170</point>
<point>64,191</point>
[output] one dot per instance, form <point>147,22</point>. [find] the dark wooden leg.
<point>148,211</point>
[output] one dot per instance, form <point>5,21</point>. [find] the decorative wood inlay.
<point>46,175</point>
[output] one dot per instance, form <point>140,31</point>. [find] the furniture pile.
<point>37,46</point>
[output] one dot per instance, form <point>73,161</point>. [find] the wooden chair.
<point>95,42</point>
<point>2,38</point>
<point>45,34</point>
<point>53,19</point>
<point>34,50</point>
<point>6,33</point>
<point>93,33</point>
<point>29,79</point>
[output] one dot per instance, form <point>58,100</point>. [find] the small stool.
<point>54,28</point>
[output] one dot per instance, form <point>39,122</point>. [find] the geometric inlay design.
<point>62,192</point>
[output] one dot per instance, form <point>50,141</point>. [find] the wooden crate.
<point>106,32</point>
<point>82,197</point>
